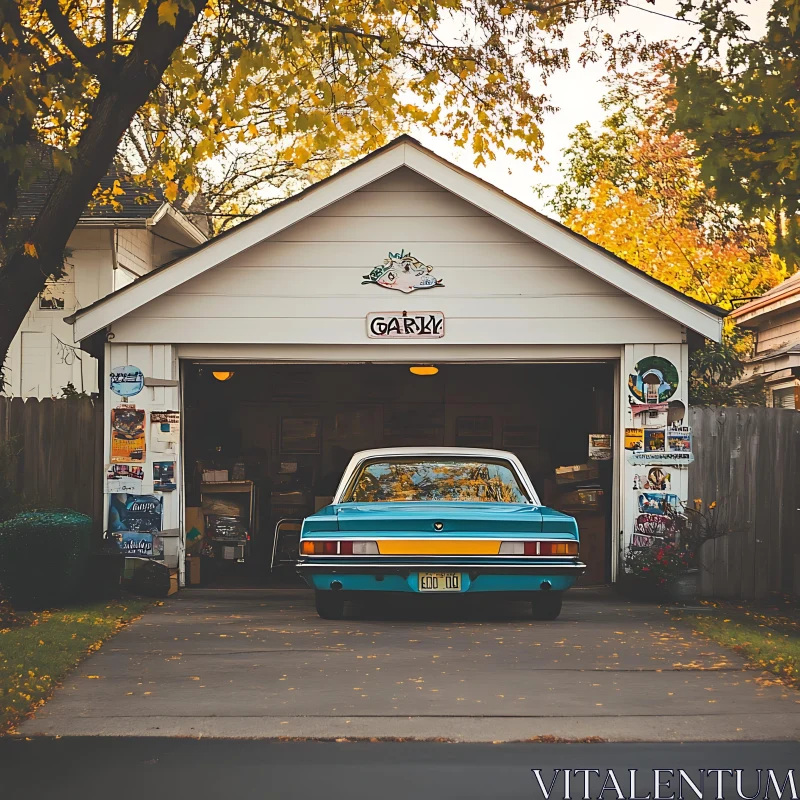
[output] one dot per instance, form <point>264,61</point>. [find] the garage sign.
<point>405,325</point>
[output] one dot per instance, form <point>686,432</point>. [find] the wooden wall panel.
<point>746,460</point>
<point>60,461</point>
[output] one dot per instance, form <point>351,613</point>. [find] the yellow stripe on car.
<point>438,547</point>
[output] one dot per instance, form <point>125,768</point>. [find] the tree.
<point>186,78</point>
<point>635,188</point>
<point>737,98</point>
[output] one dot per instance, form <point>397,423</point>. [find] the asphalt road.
<point>156,768</point>
<point>261,664</point>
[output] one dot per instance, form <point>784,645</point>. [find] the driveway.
<point>260,663</point>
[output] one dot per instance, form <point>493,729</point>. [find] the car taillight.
<point>538,548</point>
<point>345,548</point>
<point>558,548</point>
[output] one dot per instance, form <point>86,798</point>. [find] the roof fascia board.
<point>181,220</point>
<point>112,222</point>
<point>572,248</point>
<point>220,250</point>
<point>760,309</point>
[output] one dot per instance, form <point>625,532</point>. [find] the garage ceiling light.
<point>424,370</point>
<point>223,376</point>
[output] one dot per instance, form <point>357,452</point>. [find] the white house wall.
<point>43,358</point>
<point>304,285</point>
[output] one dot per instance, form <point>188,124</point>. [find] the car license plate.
<point>439,581</point>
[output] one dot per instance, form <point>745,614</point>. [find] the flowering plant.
<point>660,562</point>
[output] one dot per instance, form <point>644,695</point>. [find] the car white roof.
<point>433,451</point>
<point>381,452</point>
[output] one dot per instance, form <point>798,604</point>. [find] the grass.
<point>37,655</point>
<point>767,638</point>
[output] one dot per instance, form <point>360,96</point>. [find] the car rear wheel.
<point>330,605</point>
<point>546,605</point>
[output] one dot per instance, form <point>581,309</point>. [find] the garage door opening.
<point>265,443</point>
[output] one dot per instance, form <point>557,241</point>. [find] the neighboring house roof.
<point>404,152</point>
<point>779,298</point>
<point>769,355</point>
<point>138,206</point>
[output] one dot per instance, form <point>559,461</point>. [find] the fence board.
<point>747,459</point>
<point>60,446</point>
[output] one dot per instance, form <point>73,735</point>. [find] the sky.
<point>577,93</point>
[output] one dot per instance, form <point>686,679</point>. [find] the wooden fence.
<point>747,460</point>
<point>60,452</point>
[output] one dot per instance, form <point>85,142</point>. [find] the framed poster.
<point>127,435</point>
<point>164,476</point>
<point>300,435</point>
<point>135,513</point>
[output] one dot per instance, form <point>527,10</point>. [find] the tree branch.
<point>71,41</point>
<point>109,25</point>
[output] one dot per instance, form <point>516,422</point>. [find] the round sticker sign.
<point>127,381</point>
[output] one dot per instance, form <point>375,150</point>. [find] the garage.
<point>403,301</point>
<point>291,430</point>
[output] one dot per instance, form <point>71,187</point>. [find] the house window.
<point>784,397</point>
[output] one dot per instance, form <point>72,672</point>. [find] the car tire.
<point>546,606</point>
<point>330,605</point>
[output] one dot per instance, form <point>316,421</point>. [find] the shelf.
<point>227,487</point>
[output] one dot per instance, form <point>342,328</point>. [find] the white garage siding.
<point>304,285</point>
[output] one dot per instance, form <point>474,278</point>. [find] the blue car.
<point>438,520</point>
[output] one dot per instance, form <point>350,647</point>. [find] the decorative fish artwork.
<point>403,272</point>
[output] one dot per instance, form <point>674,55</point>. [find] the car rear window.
<point>449,479</point>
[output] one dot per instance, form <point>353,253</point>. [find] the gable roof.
<point>403,152</point>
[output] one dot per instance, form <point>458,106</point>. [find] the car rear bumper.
<point>403,577</point>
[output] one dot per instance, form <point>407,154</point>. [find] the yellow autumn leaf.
<point>171,191</point>
<point>167,12</point>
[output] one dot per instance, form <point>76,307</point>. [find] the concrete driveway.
<point>260,663</point>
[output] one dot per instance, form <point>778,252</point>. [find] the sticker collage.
<point>659,443</point>
<point>134,515</point>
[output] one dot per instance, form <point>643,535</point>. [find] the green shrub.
<point>43,557</point>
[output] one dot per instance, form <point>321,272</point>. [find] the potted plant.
<point>667,569</point>
<point>662,570</point>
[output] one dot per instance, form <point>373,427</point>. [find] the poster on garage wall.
<point>135,512</point>
<point>657,447</point>
<point>127,435</point>
<point>124,478</point>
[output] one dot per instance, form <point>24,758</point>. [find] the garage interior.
<point>268,442</point>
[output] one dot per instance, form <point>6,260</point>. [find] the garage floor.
<point>256,663</point>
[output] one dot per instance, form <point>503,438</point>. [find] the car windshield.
<point>421,478</point>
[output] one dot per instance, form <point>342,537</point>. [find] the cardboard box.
<point>195,519</point>
<point>173,582</point>
<point>192,570</point>
<point>577,473</point>
<point>215,475</point>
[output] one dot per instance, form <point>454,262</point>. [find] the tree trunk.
<point>23,275</point>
